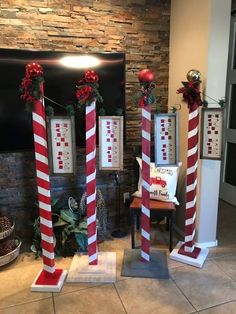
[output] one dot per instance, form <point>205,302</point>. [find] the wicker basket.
<point>5,259</point>
<point>6,233</point>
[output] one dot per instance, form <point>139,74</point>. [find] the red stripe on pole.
<point>40,149</point>
<point>45,214</point>
<point>46,230</point>
<point>43,183</point>
<point>45,199</point>
<point>48,246</point>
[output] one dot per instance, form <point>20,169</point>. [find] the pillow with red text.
<point>163,182</point>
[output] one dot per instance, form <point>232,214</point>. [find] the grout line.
<point>83,289</point>
<point>221,256</point>
<point>184,294</point>
<point>23,303</point>
<point>214,306</point>
<point>120,298</point>
<point>53,302</point>
<point>90,287</point>
<point>230,278</point>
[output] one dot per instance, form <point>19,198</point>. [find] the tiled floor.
<point>210,290</point>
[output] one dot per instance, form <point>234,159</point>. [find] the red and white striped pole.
<point>194,101</point>
<point>146,77</point>
<point>145,210</point>
<point>191,189</point>
<point>42,173</point>
<point>91,182</point>
<point>49,279</point>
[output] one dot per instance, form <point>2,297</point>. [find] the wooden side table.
<point>158,209</point>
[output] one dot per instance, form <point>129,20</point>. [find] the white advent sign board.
<point>212,123</point>
<point>62,145</point>
<point>166,148</point>
<point>111,143</point>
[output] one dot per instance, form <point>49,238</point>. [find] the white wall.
<point>189,31</point>
<point>199,30</point>
<point>215,87</point>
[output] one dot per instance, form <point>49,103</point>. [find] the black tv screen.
<point>59,86</point>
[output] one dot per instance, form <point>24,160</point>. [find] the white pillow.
<point>163,182</point>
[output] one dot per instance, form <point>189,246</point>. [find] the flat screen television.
<point>60,87</point>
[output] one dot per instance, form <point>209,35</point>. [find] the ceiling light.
<point>80,62</point>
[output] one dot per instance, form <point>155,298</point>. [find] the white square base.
<point>104,271</point>
<point>49,288</point>
<point>197,262</point>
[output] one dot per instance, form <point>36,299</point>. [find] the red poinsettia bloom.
<point>191,93</point>
<point>84,93</point>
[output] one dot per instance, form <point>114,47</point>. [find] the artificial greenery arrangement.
<point>70,225</point>
<point>87,89</point>
<point>30,85</point>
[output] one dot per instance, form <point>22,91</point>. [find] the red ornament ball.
<point>145,76</point>
<point>90,76</point>
<point>34,69</point>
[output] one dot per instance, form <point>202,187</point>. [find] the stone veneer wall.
<point>139,28</point>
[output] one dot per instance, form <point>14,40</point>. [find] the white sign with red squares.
<point>62,142</point>
<point>111,143</point>
<point>212,133</point>
<point>166,150</point>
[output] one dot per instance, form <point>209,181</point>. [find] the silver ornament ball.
<point>193,75</point>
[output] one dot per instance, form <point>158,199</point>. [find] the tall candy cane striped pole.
<point>194,101</point>
<point>44,195</point>
<point>87,94</point>
<point>91,182</point>
<point>145,211</point>
<point>145,78</point>
<point>49,279</point>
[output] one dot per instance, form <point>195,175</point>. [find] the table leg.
<point>132,229</point>
<point>167,223</point>
<point>137,222</point>
<point>171,232</point>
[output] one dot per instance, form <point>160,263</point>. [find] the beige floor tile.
<point>221,251</point>
<point>102,299</point>
<point>115,244</point>
<point>38,307</point>
<point>16,282</point>
<point>228,265</point>
<point>73,287</point>
<point>119,261</point>
<point>152,296</point>
<point>228,308</point>
<point>174,264</point>
<point>204,287</point>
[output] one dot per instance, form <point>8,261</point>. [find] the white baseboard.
<point>201,245</point>
<point>207,244</point>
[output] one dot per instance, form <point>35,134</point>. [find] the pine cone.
<point>7,247</point>
<point>5,223</point>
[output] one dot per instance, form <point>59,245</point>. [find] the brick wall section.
<point>139,28</point>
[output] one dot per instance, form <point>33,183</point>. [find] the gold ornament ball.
<point>193,75</point>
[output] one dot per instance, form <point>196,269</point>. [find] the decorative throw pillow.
<point>163,182</point>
